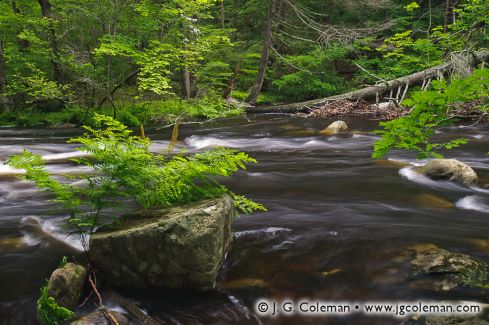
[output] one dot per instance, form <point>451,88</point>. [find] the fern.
<point>48,310</point>
<point>124,169</point>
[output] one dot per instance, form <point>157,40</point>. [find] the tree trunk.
<point>373,91</point>
<point>328,11</point>
<point>449,13</point>
<point>282,11</point>
<point>53,44</point>
<point>223,14</point>
<point>256,89</point>
<point>187,83</point>
<point>3,80</point>
<point>232,82</point>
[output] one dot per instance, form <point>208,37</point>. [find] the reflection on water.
<point>337,226</point>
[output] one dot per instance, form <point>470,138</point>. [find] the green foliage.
<point>152,180</point>
<point>412,6</point>
<point>314,74</point>
<point>476,277</point>
<point>429,111</point>
<point>37,86</point>
<point>63,262</point>
<point>124,169</point>
<point>209,106</point>
<point>49,312</point>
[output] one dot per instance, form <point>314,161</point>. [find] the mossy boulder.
<point>66,284</point>
<point>448,270</point>
<point>178,248</point>
<point>449,169</point>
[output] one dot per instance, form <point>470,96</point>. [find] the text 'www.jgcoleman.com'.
<point>271,308</point>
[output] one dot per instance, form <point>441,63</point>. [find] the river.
<point>337,227</point>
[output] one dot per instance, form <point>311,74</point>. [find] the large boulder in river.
<point>179,248</point>
<point>66,284</point>
<point>450,169</point>
<point>335,128</point>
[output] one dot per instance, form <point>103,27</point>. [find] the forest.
<point>244,162</point>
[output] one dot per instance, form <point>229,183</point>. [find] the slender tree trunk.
<point>282,11</point>
<point>232,82</point>
<point>3,79</point>
<point>328,11</point>
<point>55,59</point>
<point>449,13</point>
<point>187,83</point>
<point>256,89</point>
<point>223,14</point>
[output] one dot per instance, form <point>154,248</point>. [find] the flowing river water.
<point>337,228</point>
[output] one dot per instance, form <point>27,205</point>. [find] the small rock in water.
<point>450,169</point>
<point>432,201</point>
<point>335,128</point>
<point>66,284</point>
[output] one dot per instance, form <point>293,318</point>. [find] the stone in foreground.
<point>178,248</point>
<point>447,270</point>
<point>98,318</point>
<point>450,169</point>
<point>66,284</point>
<point>335,128</point>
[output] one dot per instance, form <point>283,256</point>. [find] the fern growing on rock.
<point>124,169</point>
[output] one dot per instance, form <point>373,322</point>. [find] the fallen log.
<point>375,91</point>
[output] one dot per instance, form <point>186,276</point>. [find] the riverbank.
<point>131,114</point>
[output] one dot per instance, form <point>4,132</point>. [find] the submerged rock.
<point>480,244</point>
<point>181,247</point>
<point>455,320</point>
<point>98,318</point>
<point>451,269</point>
<point>391,163</point>
<point>66,284</point>
<point>450,169</point>
<point>335,128</point>
<point>432,201</point>
<point>246,283</point>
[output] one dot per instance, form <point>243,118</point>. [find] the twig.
<point>94,288</point>
<point>370,74</point>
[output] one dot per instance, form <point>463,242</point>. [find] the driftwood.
<point>374,92</point>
